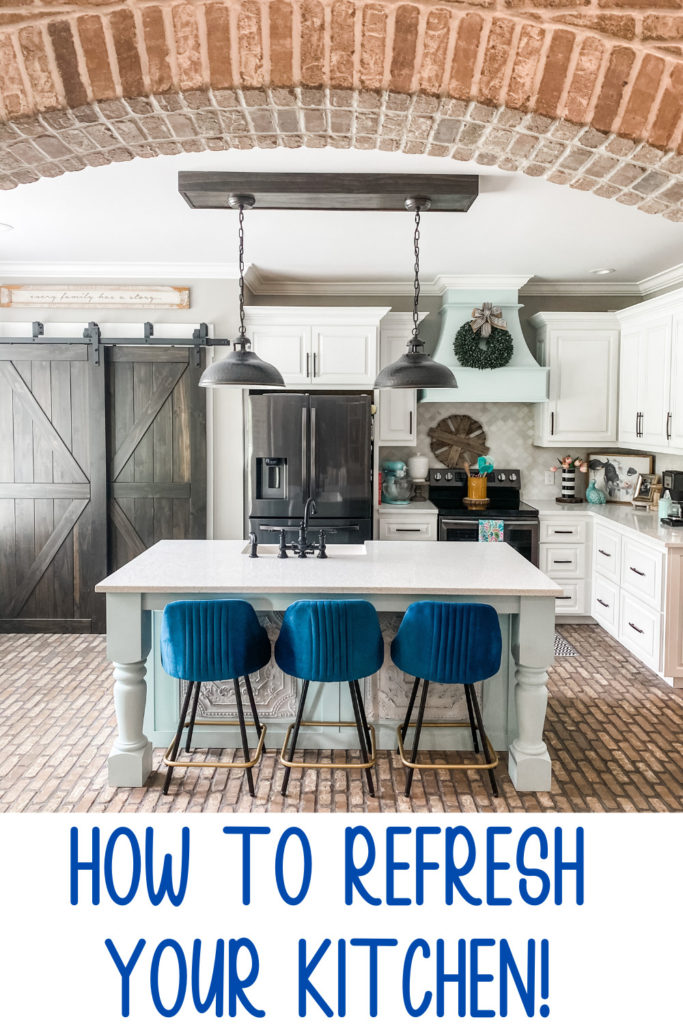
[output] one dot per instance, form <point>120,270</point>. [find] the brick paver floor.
<point>614,731</point>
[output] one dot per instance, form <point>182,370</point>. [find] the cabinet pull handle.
<point>637,421</point>
<point>315,364</point>
<point>308,364</point>
<point>636,571</point>
<point>406,529</point>
<point>562,561</point>
<point>563,598</point>
<point>563,531</point>
<point>410,426</point>
<point>552,423</point>
<point>603,603</point>
<point>633,626</point>
<point>668,426</point>
<point>605,553</point>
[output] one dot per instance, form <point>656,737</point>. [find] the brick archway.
<point>588,93</point>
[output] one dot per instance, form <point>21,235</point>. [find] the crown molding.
<point>90,271</point>
<point>582,288</point>
<point>261,285</point>
<point>665,279</point>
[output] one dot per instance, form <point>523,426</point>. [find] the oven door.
<point>520,534</point>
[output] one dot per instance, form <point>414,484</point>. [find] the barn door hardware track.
<point>92,336</point>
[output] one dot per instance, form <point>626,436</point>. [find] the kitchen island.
<point>391,575</point>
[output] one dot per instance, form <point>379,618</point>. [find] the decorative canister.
<point>418,466</point>
<point>568,483</point>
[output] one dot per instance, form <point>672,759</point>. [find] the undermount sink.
<point>333,551</point>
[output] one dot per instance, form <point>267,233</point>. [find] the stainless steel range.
<point>447,488</point>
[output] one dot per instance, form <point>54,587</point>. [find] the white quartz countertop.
<point>386,567</point>
<point>645,523</point>
<point>386,508</point>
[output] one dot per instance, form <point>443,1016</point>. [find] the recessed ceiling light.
<point>6,227</point>
<point>603,270</point>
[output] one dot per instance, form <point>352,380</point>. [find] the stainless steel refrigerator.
<point>308,445</point>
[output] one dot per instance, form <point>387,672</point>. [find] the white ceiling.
<point>518,225</point>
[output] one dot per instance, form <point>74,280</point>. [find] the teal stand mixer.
<point>397,487</point>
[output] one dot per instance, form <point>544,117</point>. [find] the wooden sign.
<point>99,296</point>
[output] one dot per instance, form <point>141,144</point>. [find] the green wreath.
<point>483,353</point>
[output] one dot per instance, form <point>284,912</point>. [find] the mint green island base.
<point>391,575</point>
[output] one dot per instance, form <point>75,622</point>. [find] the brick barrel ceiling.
<point>587,93</point>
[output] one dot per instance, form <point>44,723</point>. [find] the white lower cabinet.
<point>640,630</point>
<point>413,526</point>
<point>564,555</point>
<point>605,604</point>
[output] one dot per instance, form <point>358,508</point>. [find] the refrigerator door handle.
<point>304,450</point>
<point>314,467</point>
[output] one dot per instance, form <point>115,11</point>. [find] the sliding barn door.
<point>53,546</point>
<point>157,449</point>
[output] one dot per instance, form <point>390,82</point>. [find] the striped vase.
<point>569,482</point>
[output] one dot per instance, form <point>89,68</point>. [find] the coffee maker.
<point>672,481</point>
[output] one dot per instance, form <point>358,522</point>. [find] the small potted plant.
<point>568,465</point>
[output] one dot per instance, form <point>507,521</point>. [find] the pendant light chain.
<point>241,261</point>
<point>416,284</point>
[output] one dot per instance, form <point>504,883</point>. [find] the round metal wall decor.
<point>458,439</point>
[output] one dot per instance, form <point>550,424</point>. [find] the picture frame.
<point>644,485</point>
<point>616,474</point>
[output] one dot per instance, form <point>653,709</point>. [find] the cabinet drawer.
<point>641,572</point>
<point>639,630</point>
<point>407,528</point>
<point>563,531</point>
<point>561,562</point>
<point>573,600</point>
<point>605,604</point>
<point>607,553</point>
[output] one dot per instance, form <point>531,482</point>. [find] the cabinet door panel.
<point>583,373</point>
<point>344,355</point>
<point>654,361</point>
<point>287,348</point>
<point>397,408</point>
<point>675,424</point>
<point>628,386</point>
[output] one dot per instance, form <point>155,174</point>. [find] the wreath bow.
<point>486,318</point>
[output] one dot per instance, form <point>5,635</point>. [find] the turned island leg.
<point>529,763</point>
<point>128,644</point>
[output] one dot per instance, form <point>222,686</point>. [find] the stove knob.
<point>513,476</point>
<point>448,476</point>
<point>437,476</point>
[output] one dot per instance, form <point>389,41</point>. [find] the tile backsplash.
<point>509,428</point>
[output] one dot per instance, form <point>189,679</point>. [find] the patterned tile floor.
<point>614,730</point>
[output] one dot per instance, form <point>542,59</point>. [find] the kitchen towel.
<point>491,530</point>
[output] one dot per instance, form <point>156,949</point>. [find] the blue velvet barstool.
<point>330,642</point>
<point>204,641</point>
<point>453,644</point>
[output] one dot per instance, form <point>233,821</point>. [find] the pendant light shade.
<point>241,368</point>
<point>415,369</point>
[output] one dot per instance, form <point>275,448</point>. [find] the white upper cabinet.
<point>397,407</point>
<point>581,351</point>
<point>318,346</point>
<point>651,375</point>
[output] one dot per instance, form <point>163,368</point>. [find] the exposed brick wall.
<point>585,92</point>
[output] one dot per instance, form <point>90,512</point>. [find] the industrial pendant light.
<point>242,368</point>
<point>415,369</point>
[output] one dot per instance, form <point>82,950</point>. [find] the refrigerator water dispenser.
<point>271,477</point>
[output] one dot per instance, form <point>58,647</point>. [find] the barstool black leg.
<point>363,717</point>
<point>243,732</point>
<point>418,730</point>
<point>411,704</point>
<point>252,704</point>
<point>295,735</point>
<point>355,698</point>
<point>193,715</point>
<point>473,728</point>
<point>179,733</point>
<point>480,726</point>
